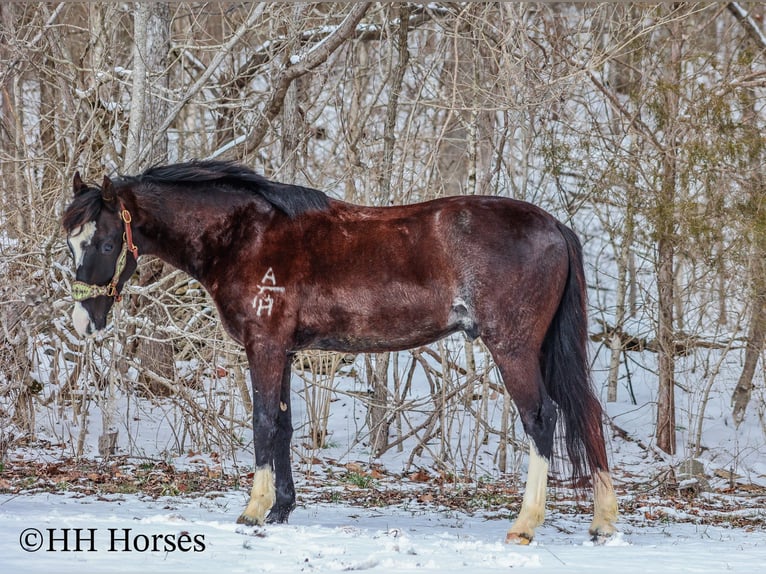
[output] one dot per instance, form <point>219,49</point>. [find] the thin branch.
<point>750,26</point>
<point>9,67</point>
<point>298,66</point>
<point>634,119</point>
<point>202,80</point>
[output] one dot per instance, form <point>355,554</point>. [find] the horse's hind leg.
<point>604,507</point>
<point>532,511</point>
<point>522,377</point>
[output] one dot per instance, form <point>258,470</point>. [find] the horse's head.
<point>100,239</point>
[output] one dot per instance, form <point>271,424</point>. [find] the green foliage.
<point>359,480</point>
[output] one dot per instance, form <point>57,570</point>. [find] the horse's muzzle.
<point>84,324</point>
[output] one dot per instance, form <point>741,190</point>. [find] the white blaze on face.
<point>78,243</point>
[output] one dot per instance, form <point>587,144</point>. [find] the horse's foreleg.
<point>266,367</point>
<point>285,489</point>
<point>262,497</point>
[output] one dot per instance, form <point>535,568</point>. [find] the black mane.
<point>292,200</point>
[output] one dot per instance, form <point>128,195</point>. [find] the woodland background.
<point>639,125</point>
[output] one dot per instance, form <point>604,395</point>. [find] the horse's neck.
<point>186,231</point>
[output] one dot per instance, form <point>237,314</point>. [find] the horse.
<point>290,268</point>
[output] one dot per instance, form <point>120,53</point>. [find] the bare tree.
<point>628,122</point>
<point>755,187</point>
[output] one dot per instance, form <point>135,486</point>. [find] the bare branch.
<point>750,26</point>
<point>203,79</point>
<point>298,66</point>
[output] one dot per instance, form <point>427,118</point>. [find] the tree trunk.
<point>157,53</point>
<point>666,239</point>
<point>465,143</point>
<point>666,413</point>
<point>392,109</point>
<point>756,334</point>
<point>147,111</point>
<point>615,342</point>
<point>10,138</point>
<point>292,121</point>
<point>138,90</point>
<point>377,412</point>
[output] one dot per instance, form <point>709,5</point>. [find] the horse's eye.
<point>106,248</point>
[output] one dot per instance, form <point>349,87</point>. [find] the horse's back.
<point>377,278</point>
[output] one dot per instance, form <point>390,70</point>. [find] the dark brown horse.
<point>290,269</point>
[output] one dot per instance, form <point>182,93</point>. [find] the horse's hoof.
<point>601,537</point>
<point>279,515</point>
<point>602,533</point>
<point>518,538</point>
<point>248,520</point>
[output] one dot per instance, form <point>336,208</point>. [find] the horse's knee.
<point>522,377</point>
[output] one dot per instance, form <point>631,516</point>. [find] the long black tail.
<point>566,370</point>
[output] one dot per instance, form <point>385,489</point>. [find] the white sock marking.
<point>262,496</point>
<point>532,510</point>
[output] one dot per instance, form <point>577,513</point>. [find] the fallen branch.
<point>682,346</point>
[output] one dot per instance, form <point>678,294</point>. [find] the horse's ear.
<point>107,190</point>
<point>77,185</point>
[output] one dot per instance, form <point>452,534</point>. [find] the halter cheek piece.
<point>82,291</point>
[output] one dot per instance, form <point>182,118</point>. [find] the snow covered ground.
<point>407,532</point>
<point>120,533</point>
<point>710,531</point>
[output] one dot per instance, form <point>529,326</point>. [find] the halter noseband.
<point>82,291</point>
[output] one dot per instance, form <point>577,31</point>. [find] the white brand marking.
<point>264,302</point>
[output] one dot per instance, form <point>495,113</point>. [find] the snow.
<point>328,537</point>
<point>407,535</point>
